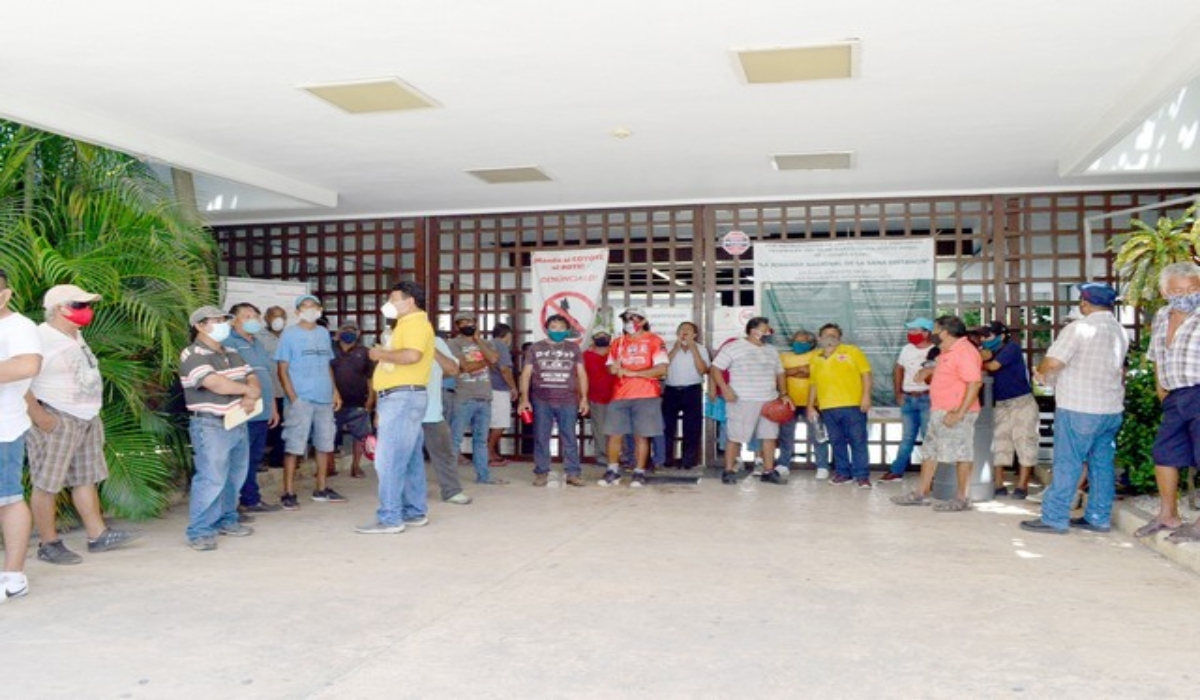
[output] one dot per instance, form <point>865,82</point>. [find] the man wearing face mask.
<point>638,359</point>
<point>244,339</point>
<point>600,385</point>
<point>554,387</point>
<point>797,363</point>
<point>911,393</point>
<point>352,370</point>
<point>954,400</point>
<point>504,391</point>
<point>473,393</point>
<point>756,377</point>
<point>66,446</point>
<point>683,394</point>
<point>274,321</point>
<point>841,386</point>
<point>1175,352</point>
<point>1017,416</point>
<point>216,380</point>
<point>304,356</point>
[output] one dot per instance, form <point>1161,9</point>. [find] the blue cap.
<point>922,323</point>
<point>1098,294</point>
<point>305,297</point>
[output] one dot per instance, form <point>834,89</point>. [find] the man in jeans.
<point>554,386</point>
<point>912,394</point>
<point>66,444</point>
<point>1086,366</point>
<point>216,380</point>
<point>797,363</point>
<point>473,393</point>
<point>244,339</point>
<point>841,386</point>
<point>401,376</point>
<point>304,356</point>
<point>20,360</point>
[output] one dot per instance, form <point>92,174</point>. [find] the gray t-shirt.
<point>506,360</point>
<point>475,385</point>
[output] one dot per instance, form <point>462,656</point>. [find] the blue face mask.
<point>348,337</point>
<point>558,336</point>
<point>253,326</point>
<point>801,348</point>
<point>1187,303</point>
<point>993,344</point>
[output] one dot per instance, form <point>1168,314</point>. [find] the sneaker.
<point>891,477</point>
<point>111,539</point>
<point>822,473</point>
<point>839,479</point>
<point>1001,492</point>
<point>638,480</point>
<point>378,528</point>
<point>1020,494</point>
<point>573,480</point>
<point>419,521</point>
<point>772,477</point>
<point>245,518</point>
<point>541,479</point>
<point>729,477</point>
<point>13,587</point>
<point>610,478</point>
<point>236,530</point>
<point>57,553</point>
<point>328,496</point>
<point>862,483</point>
<point>262,507</point>
<point>288,501</point>
<point>203,544</point>
<point>459,499</point>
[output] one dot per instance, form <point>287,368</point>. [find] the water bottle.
<point>820,432</point>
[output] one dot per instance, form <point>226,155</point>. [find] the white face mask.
<point>277,324</point>
<point>310,315</point>
<point>389,310</point>
<point>219,331</point>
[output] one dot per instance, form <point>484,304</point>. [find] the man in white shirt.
<point>683,394</point>
<point>20,360</point>
<point>66,444</point>
<point>911,394</point>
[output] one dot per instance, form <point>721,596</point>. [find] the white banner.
<point>568,283</point>
<point>843,260</point>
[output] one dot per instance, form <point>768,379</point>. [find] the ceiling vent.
<point>832,160</point>
<point>789,65</point>
<point>508,176</point>
<point>367,96</point>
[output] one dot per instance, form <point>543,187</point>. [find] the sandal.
<point>912,498</point>
<point>1185,533</point>
<point>954,505</point>
<point>1152,528</point>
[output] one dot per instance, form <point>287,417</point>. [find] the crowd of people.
<point>260,392</point>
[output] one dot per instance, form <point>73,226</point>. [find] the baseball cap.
<point>348,323</point>
<point>204,313</point>
<point>921,323</point>
<point>633,311</point>
<point>993,328</point>
<point>464,316</point>
<point>66,293</point>
<point>307,297</point>
<point>1098,293</point>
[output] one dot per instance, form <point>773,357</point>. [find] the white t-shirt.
<point>70,376</point>
<point>682,370</point>
<point>911,358</point>
<point>18,336</point>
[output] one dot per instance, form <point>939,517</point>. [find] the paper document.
<point>238,415</point>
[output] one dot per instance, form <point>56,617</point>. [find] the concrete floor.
<point>797,591</point>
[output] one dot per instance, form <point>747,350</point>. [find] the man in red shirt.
<point>601,383</point>
<point>638,360</point>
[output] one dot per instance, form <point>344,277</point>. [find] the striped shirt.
<point>1093,352</point>
<point>1177,366</point>
<point>196,362</point>
<point>753,369</point>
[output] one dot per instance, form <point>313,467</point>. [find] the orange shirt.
<point>637,353</point>
<point>956,368</point>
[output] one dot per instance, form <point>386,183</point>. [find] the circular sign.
<point>735,242</point>
<point>561,304</point>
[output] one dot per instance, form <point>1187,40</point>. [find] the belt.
<point>916,393</point>
<point>402,387</point>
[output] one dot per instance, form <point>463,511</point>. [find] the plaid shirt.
<point>1093,352</point>
<point>1179,365</point>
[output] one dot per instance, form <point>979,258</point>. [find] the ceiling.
<point>949,97</point>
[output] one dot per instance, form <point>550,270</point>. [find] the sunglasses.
<point>77,305</point>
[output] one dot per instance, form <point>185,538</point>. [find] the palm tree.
<point>75,213</point>
<point>1145,250</point>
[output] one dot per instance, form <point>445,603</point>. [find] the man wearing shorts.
<point>756,377</point>
<point>1017,416</point>
<point>304,355</point>
<point>1086,366</point>
<point>352,369</point>
<point>20,360</point>
<point>954,404</point>
<point>504,392</point>
<point>638,359</point>
<point>66,444</point>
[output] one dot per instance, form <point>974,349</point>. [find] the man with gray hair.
<point>1175,352</point>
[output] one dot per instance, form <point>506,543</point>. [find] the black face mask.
<point>602,342</point>
<point>467,330</point>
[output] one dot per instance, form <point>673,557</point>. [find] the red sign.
<point>561,304</point>
<point>736,242</point>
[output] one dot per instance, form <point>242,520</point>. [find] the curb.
<point>1127,519</point>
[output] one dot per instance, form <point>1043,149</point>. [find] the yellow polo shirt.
<point>839,377</point>
<point>797,387</point>
<point>412,332</point>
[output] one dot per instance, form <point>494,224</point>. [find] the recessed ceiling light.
<point>831,160</point>
<point>505,176</point>
<point>365,96</point>
<point>786,65</point>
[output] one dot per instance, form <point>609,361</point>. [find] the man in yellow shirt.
<point>796,366</point>
<point>841,386</point>
<point>401,375</point>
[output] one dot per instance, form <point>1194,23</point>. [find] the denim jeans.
<point>818,452</point>
<point>256,432</point>
<point>1078,438</point>
<point>848,438</point>
<point>914,416</point>
<point>399,460</point>
<point>12,461</point>
<point>478,415</point>
<point>220,457</point>
<point>545,415</point>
